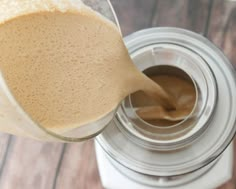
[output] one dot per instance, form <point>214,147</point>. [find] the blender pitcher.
<point>13,119</point>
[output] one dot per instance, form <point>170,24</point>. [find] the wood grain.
<point>93,180</point>
<point>223,28</point>
<point>134,15</point>
<point>187,14</point>
<point>30,164</point>
<point>78,168</point>
<point>5,141</point>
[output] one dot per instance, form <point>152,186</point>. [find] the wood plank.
<point>228,185</point>
<point>222,33</point>
<point>220,18</point>
<point>92,174</point>
<point>78,168</point>
<point>5,141</point>
<point>187,14</point>
<point>133,15</point>
<point>223,27</point>
<point>30,164</point>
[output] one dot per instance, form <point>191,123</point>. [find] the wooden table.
<point>28,164</point>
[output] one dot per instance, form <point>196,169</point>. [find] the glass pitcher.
<point>13,119</point>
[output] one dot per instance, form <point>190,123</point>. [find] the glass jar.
<point>200,138</point>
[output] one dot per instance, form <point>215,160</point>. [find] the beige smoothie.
<point>183,92</point>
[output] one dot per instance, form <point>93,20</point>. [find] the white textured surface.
<point>113,179</point>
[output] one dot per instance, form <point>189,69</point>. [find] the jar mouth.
<point>168,70</point>
<point>172,59</point>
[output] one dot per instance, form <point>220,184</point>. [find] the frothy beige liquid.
<point>66,66</point>
<point>183,92</point>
